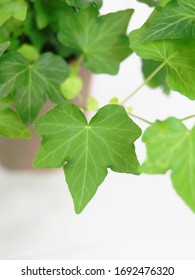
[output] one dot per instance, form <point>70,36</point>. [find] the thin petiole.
<point>144,83</point>
<point>140,118</point>
<point>187,118</point>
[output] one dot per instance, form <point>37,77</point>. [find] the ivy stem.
<point>147,80</point>
<point>187,118</point>
<point>140,118</point>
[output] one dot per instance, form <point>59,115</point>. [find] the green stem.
<point>187,118</point>
<point>140,118</point>
<point>144,83</point>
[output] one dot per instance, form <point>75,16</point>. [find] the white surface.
<point>130,217</point>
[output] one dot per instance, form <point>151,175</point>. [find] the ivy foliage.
<point>179,76</point>
<point>3,47</point>
<point>11,125</point>
<point>175,21</point>
<point>85,150</point>
<point>171,146</point>
<point>30,83</point>
<point>100,39</point>
<point>12,8</point>
<point>159,80</point>
<point>43,46</point>
<point>84,3</point>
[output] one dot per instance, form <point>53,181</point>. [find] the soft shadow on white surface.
<point>131,217</point>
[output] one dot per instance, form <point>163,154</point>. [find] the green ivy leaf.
<point>92,104</point>
<point>175,21</point>
<point>29,52</point>
<point>114,100</point>
<point>69,141</point>
<point>37,37</point>
<point>6,102</point>
<point>73,85</point>
<point>159,80</point>
<point>171,146</point>
<point>83,4</point>
<point>180,76</point>
<point>12,8</point>
<point>11,125</point>
<point>41,15</point>
<point>100,39</point>
<point>3,47</point>
<point>30,82</point>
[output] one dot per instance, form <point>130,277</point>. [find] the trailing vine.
<point>44,44</point>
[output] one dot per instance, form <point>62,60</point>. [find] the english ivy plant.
<point>43,45</point>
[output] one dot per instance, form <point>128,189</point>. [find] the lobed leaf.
<point>85,150</point>
<point>100,39</point>
<point>31,82</point>
<point>171,146</point>
<point>180,76</point>
<point>175,21</point>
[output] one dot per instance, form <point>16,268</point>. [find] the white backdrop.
<point>129,218</point>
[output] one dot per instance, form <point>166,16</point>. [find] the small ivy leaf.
<point>72,85</point>
<point>11,125</point>
<point>130,110</point>
<point>180,76</point>
<point>175,21</point>
<point>85,150</point>
<point>92,104</point>
<point>83,4</point>
<point>29,52</point>
<point>30,82</point>
<point>159,80</point>
<point>12,8</point>
<point>171,146</point>
<point>114,100</point>
<point>100,39</point>
<point>3,47</point>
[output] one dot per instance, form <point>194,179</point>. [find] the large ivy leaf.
<point>100,39</point>
<point>171,146</point>
<point>12,8</point>
<point>30,82</point>
<point>85,150</point>
<point>84,3</point>
<point>159,80</point>
<point>3,47</point>
<point>180,76</point>
<point>175,21</point>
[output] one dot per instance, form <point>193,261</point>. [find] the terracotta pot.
<point>19,153</point>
